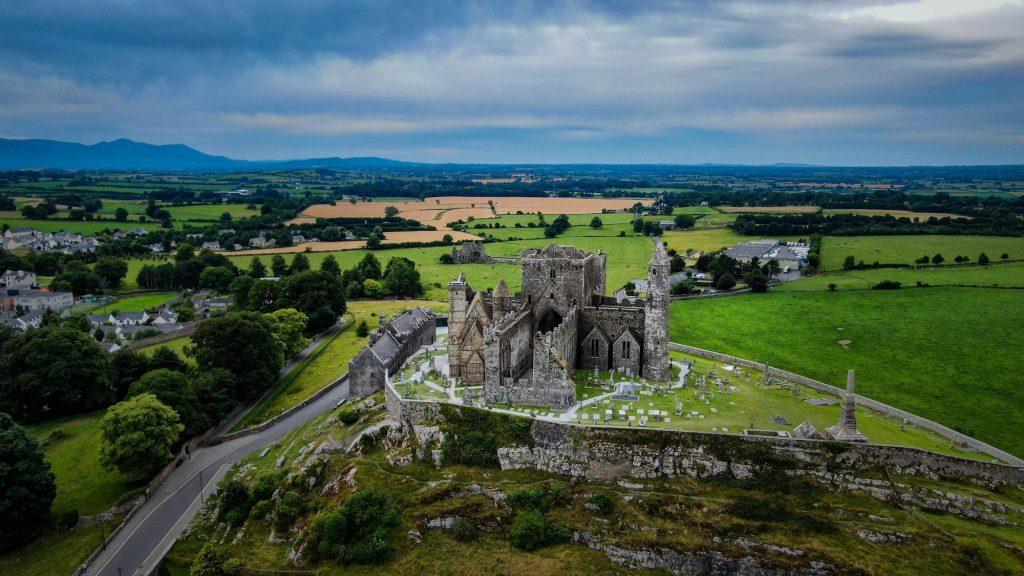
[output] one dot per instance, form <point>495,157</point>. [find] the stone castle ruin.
<point>470,253</point>
<point>524,348</point>
<point>389,347</point>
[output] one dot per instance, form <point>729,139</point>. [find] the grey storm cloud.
<point>926,81</point>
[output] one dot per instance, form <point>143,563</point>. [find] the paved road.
<point>140,546</point>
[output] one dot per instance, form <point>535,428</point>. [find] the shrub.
<point>464,530</point>
<point>531,530</point>
<point>234,503</point>
<point>69,519</point>
<point>288,510</point>
<point>604,502</point>
<point>529,498</point>
<point>887,285</point>
<point>758,509</point>
<point>362,531</point>
<point>348,416</point>
<point>259,510</point>
<point>266,486</point>
<point>362,330</point>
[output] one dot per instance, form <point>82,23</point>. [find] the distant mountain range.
<point>124,154</point>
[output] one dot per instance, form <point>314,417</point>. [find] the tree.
<point>243,344</point>
<point>316,294</point>
<point>137,436</point>
<point>368,267</point>
<point>362,531</point>
<point>212,562</point>
<point>922,260</point>
<point>164,357</point>
<point>938,259</point>
<point>27,486</point>
<point>772,268</point>
<point>225,217</point>
<point>726,282</point>
<point>112,270</point>
<point>373,241</point>
<point>373,288</point>
<point>54,371</point>
<point>596,222</point>
<point>216,278</point>
<point>172,389</point>
<point>240,288</point>
<point>278,266</point>
<point>849,262</point>
<point>300,263</point>
<point>76,277</point>
<point>401,278</point>
<point>128,366</point>
<point>446,258</point>
<point>287,325</point>
<point>121,215</point>
<point>264,296</point>
<point>983,258</point>
<point>390,211</point>
<point>832,286</point>
<point>683,222</point>
<point>1005,256</point>
<point>256,268</point>
<point>756,280</point>
<point>447,239</point>
<point>330,266</point>
<point>362,330</point>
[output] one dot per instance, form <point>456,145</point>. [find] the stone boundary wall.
<point>186,330</point>
<point>612,453</point>
<point>264,426</point>
<point>957,437</point>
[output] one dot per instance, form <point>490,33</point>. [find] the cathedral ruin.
<point>524,348</point>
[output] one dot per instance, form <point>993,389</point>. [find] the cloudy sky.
<point>853,82</point>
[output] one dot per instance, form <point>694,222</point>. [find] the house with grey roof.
<point>41,299</point>
<point>19,279</point>
<point>33,319</point>
<point>389,347</point>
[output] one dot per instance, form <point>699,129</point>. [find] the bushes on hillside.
<point>27,486</point>
<point>138,435</point>
<point>532,530</point>
<point>887,285</point>
<point>362,531</point>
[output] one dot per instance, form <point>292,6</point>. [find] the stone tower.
<point>458,303</point>
<point>656,364</point>
<point>846,429</point>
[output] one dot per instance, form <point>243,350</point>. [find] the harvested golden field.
<point>769,209</point>
<point>392,238</point>
<point>443,210</point>
<point>896,213</point>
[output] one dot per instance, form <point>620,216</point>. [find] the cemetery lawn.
<point>948,354</point>
<point>1006,275</point>
<point>906,249</point>
<point>136,303</point>
<point>329,361</point>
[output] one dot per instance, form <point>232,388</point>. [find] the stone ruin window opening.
<point>552,273</point>
<point>549,321</point>
<point>594,348</point>
<point>627,349</point>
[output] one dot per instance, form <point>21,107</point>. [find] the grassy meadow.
<point>138,303</point>
<point>948,354</point>
<point>1009,275</point>
<point>906,249</point>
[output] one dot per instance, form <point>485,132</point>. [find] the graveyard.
<point>701,396</point>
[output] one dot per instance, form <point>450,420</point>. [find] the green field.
<point>54,225</point>
<point>136,303</point>
<point>906,249</point>
<point>948,354</point>
<point>1002,275</point>
<point>612,225</point>
<point>209,212</point>
<point>59,552</point>
<point>82,484</point>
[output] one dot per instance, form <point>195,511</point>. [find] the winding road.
<point>138,548</point>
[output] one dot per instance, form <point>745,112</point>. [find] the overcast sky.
<point>856,82</point>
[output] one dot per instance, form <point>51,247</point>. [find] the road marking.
<point>176,529</point>
<point>115,551</point>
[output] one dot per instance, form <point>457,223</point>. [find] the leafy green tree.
<point>683,222</point>
<point>172,388</point>
<point>278,266</point>
<point>938,259</point>
<point>76,277</point>
<point>756,280</point>
<point>983,258</point>
<point>373,288</point>
<point>225,217</point>
<point>362,531</point>
<point>596,222</point>
<point>264,296</point>
<point>112,270</point>
<point>401,278</point>
<point>54,371</point>
<point>212,562</point>
<point>185,251</point>
<point>164,357</point>
<point>240,288</point>
<point>390,211</point>
<point>726,282</point>
<point>300,263</point>
<point>849,262</point>
<point>216,278</point>
<point>447,239</point>
<point>1005,256</point>
<point>362,330</point>
<point>121,215</point>
<point>27,486</point>
<point>368,267</point>
<point>446,258</point>
<point>316,294</point>
<point>330,266</point>
<point>138,435</point>
<point>243,344</point>
<point>287,325</point>
<point>256,268</point>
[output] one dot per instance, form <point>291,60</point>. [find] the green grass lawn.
<point>73,226</point>
<point>177,345</point>
<point>1004,275</point>
<point>207,212</point>
<point>906,249</point>
<point>330,361</point>
<point>82,484</point>
<point>948,354</point>
<point>136,303</point>
<point>59,552</point>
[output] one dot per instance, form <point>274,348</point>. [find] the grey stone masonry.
<point>846,429</point>
<point>656,363</point>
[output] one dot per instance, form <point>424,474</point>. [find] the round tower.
<point>656,363</point>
